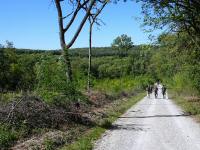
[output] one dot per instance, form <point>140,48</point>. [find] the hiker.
<point>164,89</point>
<point>151,88</point>
<point>156,91</point>
<point>149,91</point>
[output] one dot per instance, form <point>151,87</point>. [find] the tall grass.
<point>181,84</point>
<point>123,84</point>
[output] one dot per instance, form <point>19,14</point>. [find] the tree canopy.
<point>122,43</point>
<point>175,15</point>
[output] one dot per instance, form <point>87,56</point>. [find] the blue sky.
<point>33,24</point>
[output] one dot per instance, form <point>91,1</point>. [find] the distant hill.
<point>81,52</point>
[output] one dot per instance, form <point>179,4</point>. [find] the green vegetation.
<point>189,103</point>
<point>49,144</point>
<point>7,136</point>
<point>10,133</point>
<point>125,84</point>
<point>173,60</point>
<point>85,142</point>
<point>122,43</point>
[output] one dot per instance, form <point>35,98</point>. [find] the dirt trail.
<point>152,124</point>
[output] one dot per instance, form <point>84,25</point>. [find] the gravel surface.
<point>152,124</point>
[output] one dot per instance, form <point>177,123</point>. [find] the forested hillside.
<point>172,58</point>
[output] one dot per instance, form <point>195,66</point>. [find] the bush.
<point>50,74</point>
<point>195,74</point>
<point>106,123</point>
<point>49,144</point>
<point>7,136</point>
<point>182,83</point>
<point>52,80</point>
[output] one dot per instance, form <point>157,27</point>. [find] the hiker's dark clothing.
<point>156,92</point>
<point>164,91</point>
<point>149,89</point>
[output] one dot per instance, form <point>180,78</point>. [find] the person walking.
<point>164,89</point>
<point>149,91</point>
<point>156,92</point>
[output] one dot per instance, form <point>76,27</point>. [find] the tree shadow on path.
<point>135,127</point>
<point>158,116</point>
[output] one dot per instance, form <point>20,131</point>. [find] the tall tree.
<point>76,8</point>
<point>93,19</point>
<point>122,43</point>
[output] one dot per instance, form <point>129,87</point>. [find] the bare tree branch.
<point>81,24</point>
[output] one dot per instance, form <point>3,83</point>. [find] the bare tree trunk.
<point>62,42</point>
<point>89,59</point>
<point>65,47</point>
<point>68,64</point>
<point>92,20</point>
<point>65,52</point>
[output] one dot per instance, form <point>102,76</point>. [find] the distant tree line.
<point>81,52</point>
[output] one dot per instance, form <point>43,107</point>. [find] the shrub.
<point>50,74</point>
<point>106,123</point>
<point>52,80</point>
<point>182,83</point>
<point>7,136</point>
<point>49,144</point>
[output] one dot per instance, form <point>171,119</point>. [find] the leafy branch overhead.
<point>176,15</point>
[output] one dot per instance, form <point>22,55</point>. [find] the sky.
<point>33,24</point>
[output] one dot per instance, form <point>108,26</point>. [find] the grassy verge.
<point>9,96</point>
<point>85,142</point>
<point>190,104</point>
<point>7,136</point>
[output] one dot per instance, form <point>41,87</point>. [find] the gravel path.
<point>152,124</point>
